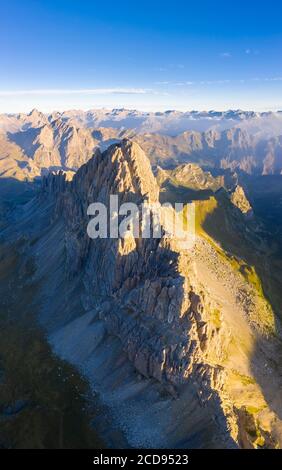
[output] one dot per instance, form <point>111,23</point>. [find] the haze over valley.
<point>35,143</point>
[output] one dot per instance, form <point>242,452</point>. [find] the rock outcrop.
<point>192,176</point>
<point>239,199</point>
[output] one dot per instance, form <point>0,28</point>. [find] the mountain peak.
<point>132,169</point>
<point>35,113</point>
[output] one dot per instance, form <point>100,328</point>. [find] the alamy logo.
<point>146,220</point>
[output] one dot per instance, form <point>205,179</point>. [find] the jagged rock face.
<point>56,145</point>
<point>47,144</point>
<point>55,183</point>
<point>123,170</point>
<point>184,318</point>
<point>11,155</point>
<point>239,199</point>
<point>149,293</point>
<point>230,149</point>
<point>137,284</point>
<point>75,145</point>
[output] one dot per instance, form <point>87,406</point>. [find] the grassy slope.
<point>233,237</point>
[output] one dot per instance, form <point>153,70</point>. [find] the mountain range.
<point>33,144</point>
<point>182,347</point>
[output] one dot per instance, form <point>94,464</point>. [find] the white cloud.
<point>273,79</point>
<point>226,55</point>
<point>267,79</point>
<point>83,91</point>
<point>214,82</point>
<point>242,80</point>
<point>251,51</point>
<point>184,83</point>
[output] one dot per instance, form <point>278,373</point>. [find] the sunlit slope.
<point>228,255</point>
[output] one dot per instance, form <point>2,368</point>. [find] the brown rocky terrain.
<point>234,149</point>
<point>33,144</point>
<point>182,345</point>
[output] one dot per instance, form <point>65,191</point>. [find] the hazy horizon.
<point>163,109</point>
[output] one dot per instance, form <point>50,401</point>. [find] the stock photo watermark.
<point>145,220</point>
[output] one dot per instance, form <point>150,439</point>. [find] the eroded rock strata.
<point>182,348</point>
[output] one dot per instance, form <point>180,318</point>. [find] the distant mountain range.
<point>35,143</point>
<point>169,122</point>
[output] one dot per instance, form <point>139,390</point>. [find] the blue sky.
<point>145,55</point>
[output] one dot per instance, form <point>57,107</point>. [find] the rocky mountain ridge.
<point>191,325</point>
<point>234,149</point>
